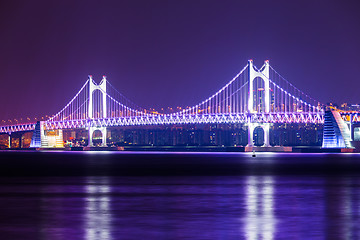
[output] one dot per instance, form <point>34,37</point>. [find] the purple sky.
<point>172,53</point>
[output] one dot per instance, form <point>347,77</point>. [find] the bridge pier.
<point>103,135</point>
<point>251,129</point>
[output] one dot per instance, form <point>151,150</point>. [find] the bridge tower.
<point>92,88</point>
<point>264,74</point>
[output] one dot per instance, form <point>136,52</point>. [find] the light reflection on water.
<point>344,208</point>
<point>203,207</point>
<point>346,229</point>
<point>98,212</point>
<point>260,220</point>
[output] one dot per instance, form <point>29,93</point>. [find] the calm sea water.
<point>104,195</point>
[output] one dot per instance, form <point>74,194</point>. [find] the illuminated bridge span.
<point>255,97</point>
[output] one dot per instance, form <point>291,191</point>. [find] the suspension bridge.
<point>254,97</point>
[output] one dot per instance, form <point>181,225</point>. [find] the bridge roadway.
<point>162,119</point>
<point>352,119</point>
<point>172,119</point>
<point>169,119</point>
<point>27,127</point>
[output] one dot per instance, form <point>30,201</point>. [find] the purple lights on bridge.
<point>254,98</point>
<point>239,101</point>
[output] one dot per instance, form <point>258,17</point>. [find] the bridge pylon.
<point>264,74</point>
<point>91,129</point>
<point>92,88</point>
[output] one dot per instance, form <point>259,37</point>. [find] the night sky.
<point>172,53</point>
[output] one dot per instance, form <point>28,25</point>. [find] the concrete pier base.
<point>268,149</point>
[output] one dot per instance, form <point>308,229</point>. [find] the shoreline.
<point>197,149</point>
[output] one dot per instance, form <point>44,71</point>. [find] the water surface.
<point>179,196</point>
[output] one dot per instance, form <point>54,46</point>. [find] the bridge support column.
<point>9,141</point>
<point>250,135</point>
<point>265,127</point>
<point>20,141</point>
<point>103,136</point>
